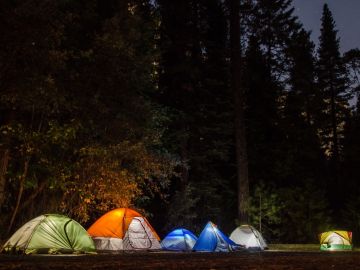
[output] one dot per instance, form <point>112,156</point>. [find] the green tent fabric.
<point>52,234</point>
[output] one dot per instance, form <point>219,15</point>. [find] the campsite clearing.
<point>274,260</point>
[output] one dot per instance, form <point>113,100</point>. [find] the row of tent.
<point>126,229</point>
<point>121,229</point>
<point>212,239</point>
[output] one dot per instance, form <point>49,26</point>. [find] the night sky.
<point>346,16</point>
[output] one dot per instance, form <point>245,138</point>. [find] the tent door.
<point>137,235</point>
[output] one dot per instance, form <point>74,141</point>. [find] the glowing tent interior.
<point>212,239</point>
<point>179,240</point>
<point>249,237</point>
<point>123,229</point>
<point>52,234</point>
<point>336,240</point>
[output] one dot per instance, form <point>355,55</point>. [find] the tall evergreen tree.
<point>176,84</point>
<point>212,140</point>
<point>274,23</point>
<point>239,109</point>
<point>305,158</point>
<point>332,86</point>
<point>198,132</point>
<point>273,26</point>
<point>177,92</point>
<point>261,115</point>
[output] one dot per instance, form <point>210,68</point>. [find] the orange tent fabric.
<point>115,223</point>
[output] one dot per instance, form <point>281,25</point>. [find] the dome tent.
<point>123,229</point>
<point>336,240</point>
<point>179,240</point>
<point>51,234</point>
<point>249,237</point>
<point>212,239</point>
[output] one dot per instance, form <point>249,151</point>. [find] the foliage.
<point>265,212</point>
<point>352,64</point>
<point>81,119</point>
<point>351,217</point>
<point>182,210</point>
<point>290,215</point>
<point>305,214</point>
<point>109,177</point>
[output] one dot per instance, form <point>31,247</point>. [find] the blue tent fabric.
<point>179,240</point>
<point>213,240</point>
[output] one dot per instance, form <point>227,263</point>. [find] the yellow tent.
<point>336,240</point>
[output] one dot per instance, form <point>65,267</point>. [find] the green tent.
<point>51,234</point>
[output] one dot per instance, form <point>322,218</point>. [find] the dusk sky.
<point>346,16</point>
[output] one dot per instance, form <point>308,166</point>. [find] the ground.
<point>275,260</point>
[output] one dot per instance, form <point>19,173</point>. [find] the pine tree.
<point>175,83</point>
<point>261,115</point>
<point>239,112</point>
<point>304,152</point>
<point>193,87</point>
<point>273,26</point>
<point>274,23</point>
<point>332,86</point>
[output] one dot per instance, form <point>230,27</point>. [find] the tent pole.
<point>260,214</point>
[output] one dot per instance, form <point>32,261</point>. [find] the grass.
<point>295,247</point>
<point>299,247</point>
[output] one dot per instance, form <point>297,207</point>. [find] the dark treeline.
<point>174,108</point>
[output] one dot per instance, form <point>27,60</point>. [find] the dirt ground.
<point>180,261</point>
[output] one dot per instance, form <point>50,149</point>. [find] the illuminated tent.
<point>52,234</point>
<point>123,229</point>
<point>336,240</point>
<point>249,237</point>
<point>212,239</point>
<point>179,240</point>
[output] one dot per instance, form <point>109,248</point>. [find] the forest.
<point>188,111</point>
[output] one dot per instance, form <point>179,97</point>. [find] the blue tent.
<point>179,239</point>
<point>212,239</point>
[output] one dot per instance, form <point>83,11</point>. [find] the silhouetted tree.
<point>332,86</point>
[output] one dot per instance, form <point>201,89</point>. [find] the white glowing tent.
<point>248,237</point>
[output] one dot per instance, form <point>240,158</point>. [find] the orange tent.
<point>123,228</point>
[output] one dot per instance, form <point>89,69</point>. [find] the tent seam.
<point>33,232</point>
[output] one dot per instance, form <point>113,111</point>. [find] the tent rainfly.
<point>212,239</point>
<point>179,240</point>
<point>50,234</point>
<point>336,240</point>
<point>249,237</point>
<point>123,229</point>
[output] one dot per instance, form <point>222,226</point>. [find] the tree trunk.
<point>8,116</point>
<point>4,161</point>
<point>240,131</point>
<point>21,190</point>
